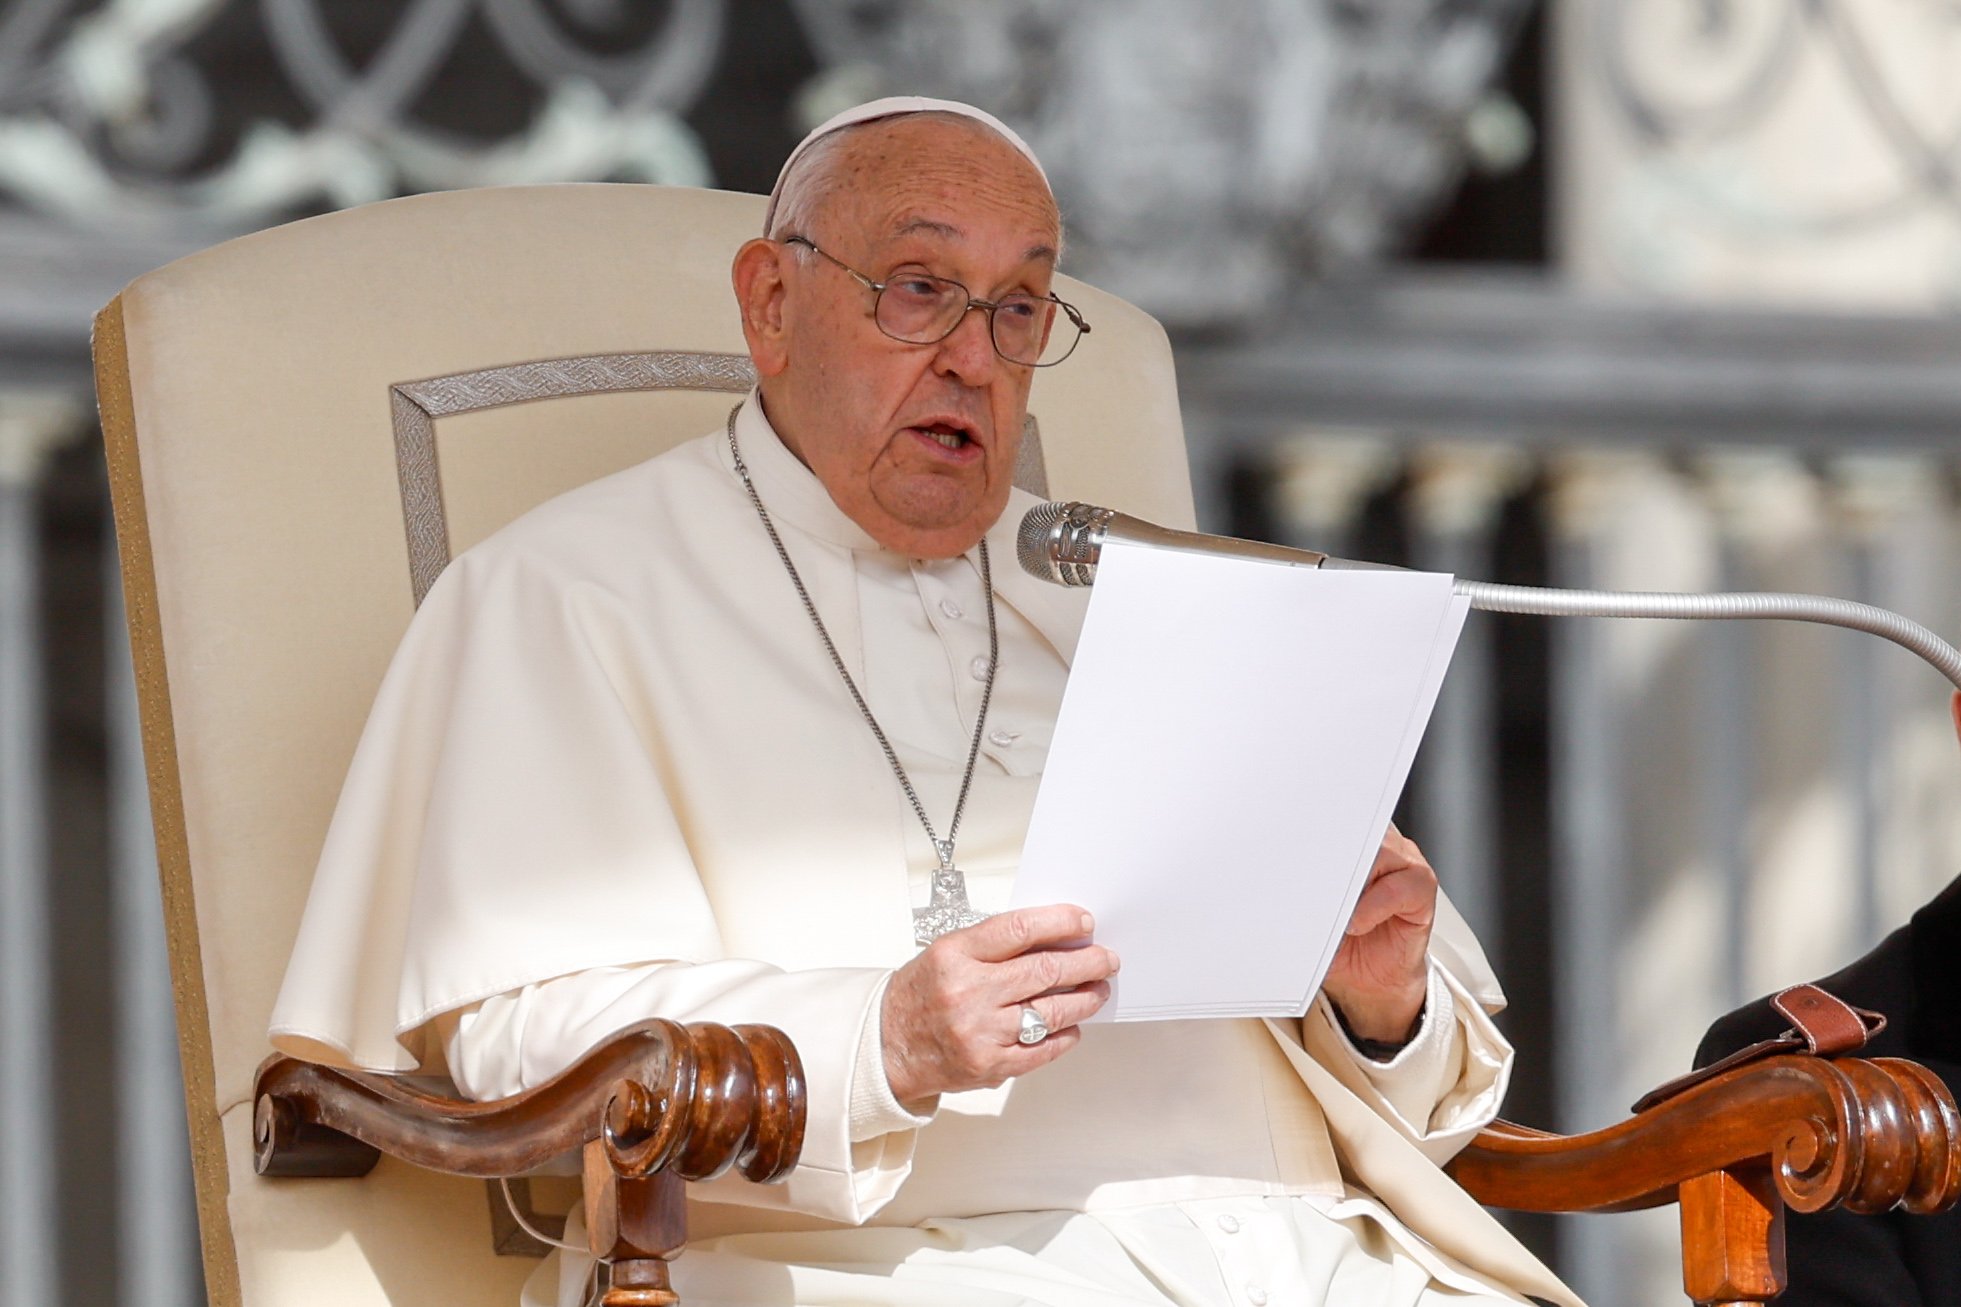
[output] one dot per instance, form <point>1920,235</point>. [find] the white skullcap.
<point>893,106</point>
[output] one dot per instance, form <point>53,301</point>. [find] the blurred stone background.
<point>1647,293</point>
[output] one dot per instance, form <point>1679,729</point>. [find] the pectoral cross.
<point>948,908</point>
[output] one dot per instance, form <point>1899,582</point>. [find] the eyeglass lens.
<point>923,309</point>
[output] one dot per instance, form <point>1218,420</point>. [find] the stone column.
<point>1779,825</point>
<point>1726,750</point>
<point>1896,534</point>
<point>157,1239</point>
<point>1322,480</point>
<point>1457,491</point>
<point>1588,839</point>
<point>30,426</point>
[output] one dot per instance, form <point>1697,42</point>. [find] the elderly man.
<point>735,734</point>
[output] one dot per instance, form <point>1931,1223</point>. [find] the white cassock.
<point>612,774</point>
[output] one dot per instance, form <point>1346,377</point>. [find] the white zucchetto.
<point>893,106</point>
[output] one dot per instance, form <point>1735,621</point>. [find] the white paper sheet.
<point>1231,744</point>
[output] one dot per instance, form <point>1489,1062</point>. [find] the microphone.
<point>1062,543</point>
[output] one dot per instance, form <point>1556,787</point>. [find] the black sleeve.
<point>1838,1258</point>
<point>1934,1023</point>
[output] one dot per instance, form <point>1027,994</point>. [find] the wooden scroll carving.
<point>655,1106</point>
<point>660,1104</point>
<point>1735,1151</point>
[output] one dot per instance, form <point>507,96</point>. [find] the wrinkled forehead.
<point>938,179</point>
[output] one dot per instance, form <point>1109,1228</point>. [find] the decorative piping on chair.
<point>415,406</point>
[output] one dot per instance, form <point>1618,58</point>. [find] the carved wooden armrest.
<point>1735,1150</point>
<point>654,1106</point>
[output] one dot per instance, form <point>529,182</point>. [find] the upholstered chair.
<point>304,425</point>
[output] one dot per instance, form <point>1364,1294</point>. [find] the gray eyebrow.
<point>1033,254</point>
<point>936,228</point>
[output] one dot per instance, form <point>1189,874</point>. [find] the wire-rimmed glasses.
<point>921,309</point>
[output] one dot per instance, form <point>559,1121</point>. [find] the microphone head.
<point>1032,541</point>
<point>1060,542</point>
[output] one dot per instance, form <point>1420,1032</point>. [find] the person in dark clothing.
<point>1843,1259</point>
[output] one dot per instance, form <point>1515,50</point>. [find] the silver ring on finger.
<point>1033,1029</point>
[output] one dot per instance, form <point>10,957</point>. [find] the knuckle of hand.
<point>1048,971</point>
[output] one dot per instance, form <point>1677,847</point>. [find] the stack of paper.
<point>1230,747</point>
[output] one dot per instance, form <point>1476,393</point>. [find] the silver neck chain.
<point>942,847</point>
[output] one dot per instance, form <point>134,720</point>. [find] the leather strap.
<point>1822,1025</point>
<point>1829,1026</point>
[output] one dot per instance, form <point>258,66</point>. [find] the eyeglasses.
<point>921,309</point>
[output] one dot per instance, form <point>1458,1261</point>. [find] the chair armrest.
<point>1870,1135</point>
<point>1736,1149</point>
<point>697,1099</point>
<point>655,1105</point>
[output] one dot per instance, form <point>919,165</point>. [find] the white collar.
<point>790,491</point>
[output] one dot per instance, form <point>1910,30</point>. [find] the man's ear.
<point>758,274</point>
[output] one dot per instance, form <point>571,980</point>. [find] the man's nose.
<point>967,353</point>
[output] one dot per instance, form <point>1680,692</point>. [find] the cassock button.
<point>1003,738</point>
<point>1230,1224</point>
<point>951,609</point>
<point>1256,1295</point>
<point>979,668</point>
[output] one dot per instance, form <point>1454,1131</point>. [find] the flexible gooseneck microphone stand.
<point>1061,542</point>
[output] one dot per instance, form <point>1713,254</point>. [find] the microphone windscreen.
<point>1034,542</point>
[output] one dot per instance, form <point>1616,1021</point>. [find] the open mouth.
<point>947,434</point>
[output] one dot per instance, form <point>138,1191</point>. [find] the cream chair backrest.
<point>303,425</point>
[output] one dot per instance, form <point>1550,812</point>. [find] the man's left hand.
<point>1382,970</point>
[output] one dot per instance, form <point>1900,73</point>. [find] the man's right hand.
<point>952,1016</point>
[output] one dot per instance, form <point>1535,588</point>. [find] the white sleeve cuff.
<point>874,1111</point>
<point>1409,1081</point>
<point>1446,1084</point>
<point>1441,1089</point>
